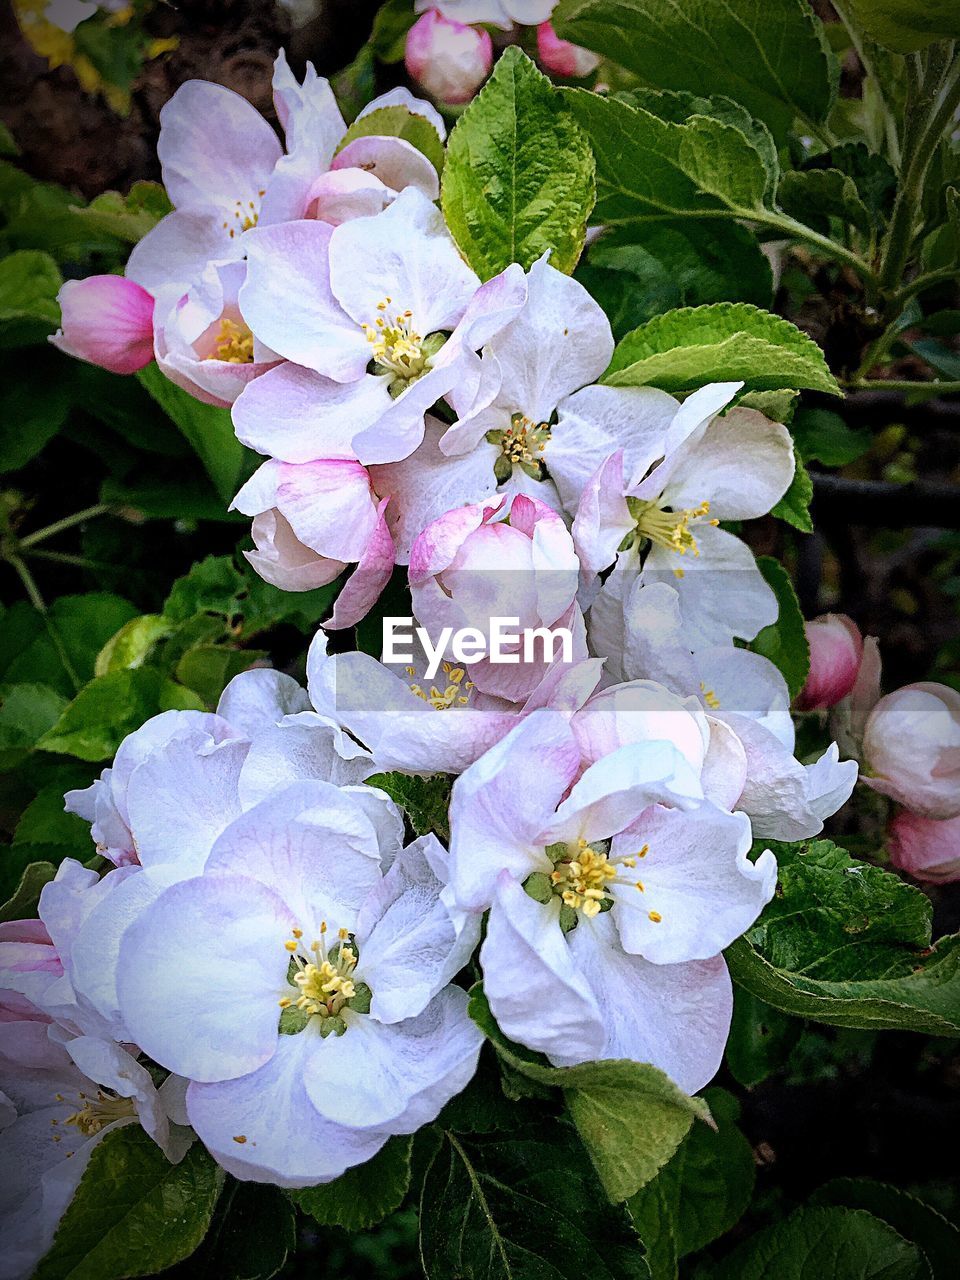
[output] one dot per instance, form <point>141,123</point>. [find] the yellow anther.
<point>709,697</point>
<point>655,916</point>
<point>670,529</point>
<point>297,933</point>
<point>639,885</point>
<point>233,344</point>
<point>290,945</point>
<point>285,1003</point>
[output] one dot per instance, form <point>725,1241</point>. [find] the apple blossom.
<point>478,565</point>
<point>670,515</point>
<point>609,902</point>
<point>911,749</point>
<point>389,292</point>
<point>499,13</point>
<point>225,172</point>
<point>310,522</point>
<point>450,60</point>
<point>107,321</point>
<point>558,341</point>
<point>745,699</point>
<point>836,650</point>
<point>411,724</point>
<point>562,58</point>
<point>926,848</point>
<point>333,1026</point>
<point>64,1098</point>
<point>203,344</point>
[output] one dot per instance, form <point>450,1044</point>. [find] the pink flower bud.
<point>836,650</point>
<point>450,60</point>
<point>925,848</point>
<point>107,321</point>
<point>911,749</point>
<point>561,57</point>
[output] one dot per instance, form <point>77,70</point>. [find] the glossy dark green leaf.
<point>363,1195</point>
<point>784,642</point>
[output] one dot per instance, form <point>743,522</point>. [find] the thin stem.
<point>64,557</point>
<point>68,522</point>
<point>36,599</point>
<point>799,231</point>
<point>928,110</point>
<point>942,275</point>
<point>893,384</point>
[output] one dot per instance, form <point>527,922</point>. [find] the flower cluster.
<point>267,939</point>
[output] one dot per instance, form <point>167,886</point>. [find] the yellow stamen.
<point>234,343</point>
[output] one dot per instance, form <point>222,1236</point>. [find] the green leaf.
<point>637,272</point>
<point>208,429</point>
<point>846,943</point>
<point>111,706</point>
<point>29,311</point>
<point>248,605</point>
<point>702,1191</point>
<point>23,902</point>
<point>132,644</point>
<point>815,195</point>
<point>911,1218</point>
<point>794,506</point>
<point>519,177</point>
<point>723,342</point>
<point>253,1231</point>
<point>630,1116</point>
<point>45,821</point>
<point>34,402</point>
<point>822,436</point>
<point>771,57</point>
<point>907,25</point>
<point>424,800</point>
<point>209,668</point>
<point>27,711</point>
<point>784,642</point>
<point>134,1213</point>
<point>127,217</point>
<point>723,162</point>
<point>82,625</point>
<point>398,122</point>
<point>364,1194</point>
<point>760,1041</point>
<point>839,1243</point>
<point>389,35</point>
<point>519,1208</point>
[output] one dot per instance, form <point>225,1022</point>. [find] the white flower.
<point>609,908</point>
<point>302,991</point>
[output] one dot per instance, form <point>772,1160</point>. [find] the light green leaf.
<point>848,944</point>
<point>784,642</point>
<point>519,1207</point>
<point>769,55</point>
<point>82,625</point>
<point>702,1191</point>
<point>390,26</point>
<point>723,342</point>
<point>132,644</point>
<point>208,429</point>
<point>424,800</point>
<point>630,1116</point>
<point>364,1194</point>
<point>519,177</point>
<point>29,284</point>
<point>134,1213</point>
<point>794,506</point>
<point>907,25</point>
<point>398,122</point>
<point>209,668</point>
<point>814,195</point>
<point>722,161</point>
<point>637,272</point>
<point>127,217</point>
<point>911,1218</point>
<point>94,724</point>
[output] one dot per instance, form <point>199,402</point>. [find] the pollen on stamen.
<point>655,916</point>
